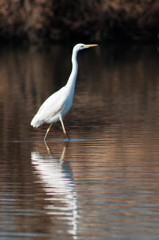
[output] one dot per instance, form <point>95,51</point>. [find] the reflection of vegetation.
<point>94,20</point>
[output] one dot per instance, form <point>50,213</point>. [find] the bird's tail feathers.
<point>36,123</point>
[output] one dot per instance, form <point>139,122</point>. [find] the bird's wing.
<point>52,105</point>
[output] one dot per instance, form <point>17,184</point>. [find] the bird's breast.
<point>66,107</point>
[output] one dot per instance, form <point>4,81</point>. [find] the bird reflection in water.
<point>58,184</point>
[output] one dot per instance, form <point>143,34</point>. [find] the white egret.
<point>59,103</point>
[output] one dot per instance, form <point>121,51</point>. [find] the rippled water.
<point>104,183</point>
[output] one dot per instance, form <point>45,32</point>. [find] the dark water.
<point>104,183</point>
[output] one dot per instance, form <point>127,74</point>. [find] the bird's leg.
<point>63,127</point>
<point>47,131</point>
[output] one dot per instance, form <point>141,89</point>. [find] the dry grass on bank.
<point>92,20</point>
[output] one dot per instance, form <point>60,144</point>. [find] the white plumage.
<point>58,104</point>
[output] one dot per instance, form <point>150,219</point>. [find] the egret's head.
<point>81,46</point>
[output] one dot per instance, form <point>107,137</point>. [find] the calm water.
<point>104,183</point>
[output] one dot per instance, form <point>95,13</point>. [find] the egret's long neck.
<point>72,78</point>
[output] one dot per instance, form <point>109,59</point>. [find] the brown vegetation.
<point>91,20</point>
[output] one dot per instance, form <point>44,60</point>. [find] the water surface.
<point>104,183</point>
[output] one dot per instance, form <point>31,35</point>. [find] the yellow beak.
<point>90,45</point>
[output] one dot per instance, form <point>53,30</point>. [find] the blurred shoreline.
<point>36,21</point>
